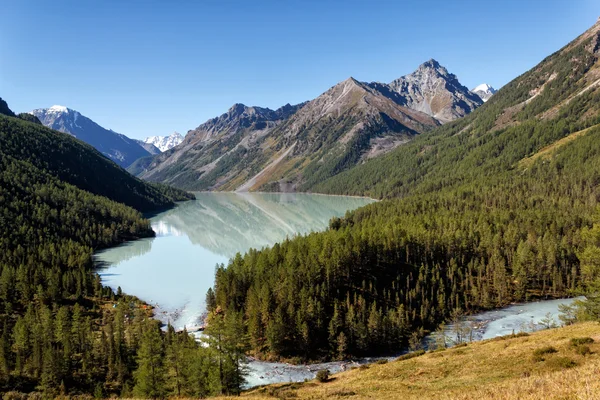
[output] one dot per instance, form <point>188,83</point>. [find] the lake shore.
<point>514,318</point>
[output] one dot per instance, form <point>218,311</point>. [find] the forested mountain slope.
<point>469,225</point>
<point>119,148</point>
<point>63,156</point>
<point>552,100</point>
<point>60,200</point>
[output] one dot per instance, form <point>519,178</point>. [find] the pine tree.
<point>149,376</point>
<point>590,270</point>
<point>226,337</point>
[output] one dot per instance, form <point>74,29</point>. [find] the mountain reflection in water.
<point>175,269</point>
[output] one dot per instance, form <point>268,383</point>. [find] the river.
<point>174,270</point>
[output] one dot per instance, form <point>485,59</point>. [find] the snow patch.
<point>58,109</point>
<point>484,87</point>
<point>164,143</point>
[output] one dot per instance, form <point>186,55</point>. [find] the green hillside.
<point>468,225</point>
<point>79,164</point>
<point>538,108</point>
<point>59,201</point>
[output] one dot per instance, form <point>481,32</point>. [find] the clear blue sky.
<point>151,67</point>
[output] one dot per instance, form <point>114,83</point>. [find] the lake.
<point>173,270</point>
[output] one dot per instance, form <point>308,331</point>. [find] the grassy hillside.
<point>505,368</point>
<point>467,225</point>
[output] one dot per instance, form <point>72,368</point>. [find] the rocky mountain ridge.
<point>436,92</point>
<point>294,147</point>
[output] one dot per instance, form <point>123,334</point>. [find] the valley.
<point>174,270</point>
<point>414,237</point>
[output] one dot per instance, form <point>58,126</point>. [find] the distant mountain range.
<point>119,148</point>
<point>484,91</point>
<point>296,146</point>
<point>164,143</point>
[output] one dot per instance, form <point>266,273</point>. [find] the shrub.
<point>583,350</point>
<point>364,366</point>
<point>583,340</point>
<point>463,344</point>
<point>408,356</point>
<point>544,350</point>
<point>342,393</point>
<point>323,375</point>
<point>561,363</point>
<point>510,336</point>
<point>381,361</point>
<point>537,358</point>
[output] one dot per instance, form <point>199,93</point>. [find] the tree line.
<point>470,222</point>
<point>61,331</point>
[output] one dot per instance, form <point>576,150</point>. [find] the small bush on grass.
<point>538,354</point>
<point>583,350</point>
<point>323,375</point>
<point>411,355</point>
<point>561,363</point>
<point>382,361</point>
<point>544,350</point>
<point>583,340</point>
<point>342,393</point>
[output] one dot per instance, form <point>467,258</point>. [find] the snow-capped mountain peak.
<point>484,87</point>
<point>164,143</point>
<point>58,109</point>
<point>484,91</point>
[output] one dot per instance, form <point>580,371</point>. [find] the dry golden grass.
<point>494,369</point>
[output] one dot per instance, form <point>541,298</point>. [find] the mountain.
<point>119,148</point>
<point>484,91</point>
<point>296,147</point>
<point>60,201</point>
<point>149,147</point>
<point>4,109</point>
<point>490,209</point>
<point>76,163</point>
<point>433,90</point>
<point>164,143</point>
<point>251,148</point>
